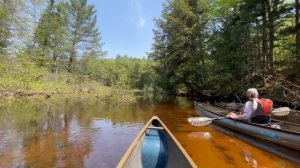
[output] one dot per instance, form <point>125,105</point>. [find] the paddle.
<point>202,121</point>
<point>282,111</point>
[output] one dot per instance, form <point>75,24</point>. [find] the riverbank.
<point>103,93</point>
<point>47,85</point>
<point>102,78</point>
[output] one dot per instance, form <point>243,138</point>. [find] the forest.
<point>216,47</point>
<point>56,46</point>
<point>200,47</point>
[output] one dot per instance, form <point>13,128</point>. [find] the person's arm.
<point>248,109</point>
<point>231,115</point>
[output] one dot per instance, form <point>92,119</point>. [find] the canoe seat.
<point>154,149</point>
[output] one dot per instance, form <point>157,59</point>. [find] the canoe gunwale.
<point>254,124</point>
<point>130,150</point>
<point>140,135</point>
<point>284,137</point>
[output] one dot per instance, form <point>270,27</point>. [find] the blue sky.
<point>126,25</point>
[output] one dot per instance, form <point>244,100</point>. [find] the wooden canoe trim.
<point>140,135</point>
<point>133,145</point>
<point>177,143</point>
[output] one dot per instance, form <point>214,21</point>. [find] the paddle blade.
<point>199,121</point>
<point>282,111</point>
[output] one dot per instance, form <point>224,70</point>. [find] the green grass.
<point>62,84</point>
<point>21,76</point>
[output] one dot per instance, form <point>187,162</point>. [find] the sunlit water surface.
<point>92,133</point>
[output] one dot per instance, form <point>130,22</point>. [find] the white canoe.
<point>156,147</point>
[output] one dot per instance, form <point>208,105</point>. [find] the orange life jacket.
<point>264,107</point>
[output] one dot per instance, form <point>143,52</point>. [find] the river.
<point>61,132</point>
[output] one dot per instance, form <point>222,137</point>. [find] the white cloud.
<point>135,4</point>
<point>142,22</point>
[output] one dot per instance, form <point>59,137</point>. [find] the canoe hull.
<point>156,146</point>
<point>286,138</point>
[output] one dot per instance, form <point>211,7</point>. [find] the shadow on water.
<point>287,153</point>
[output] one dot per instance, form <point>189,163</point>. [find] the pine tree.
<point>297,21</point>
<point>178,46</point>
<point>50,35</point>
<point>4,29</point>
<point>84,34</point>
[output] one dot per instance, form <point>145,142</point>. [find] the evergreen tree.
<point>297,21</point>
<point>179,47</point>
<point>4,29</point>
<point>84,35</point>
<point>50,35</point>
<point>223,44</point>
<point>14,31</point>
<point>295,69</point>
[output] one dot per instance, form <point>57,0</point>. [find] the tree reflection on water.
<point>61,132</point>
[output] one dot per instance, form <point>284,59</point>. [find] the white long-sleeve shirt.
<point>248,109</point>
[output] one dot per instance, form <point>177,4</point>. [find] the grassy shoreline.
<point>108,93</point>
<point>65,85</point>
<point>20,77</point>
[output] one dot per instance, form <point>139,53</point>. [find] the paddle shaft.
<point>282,111</point>
<point>219,118</point>
<point>201,121</point>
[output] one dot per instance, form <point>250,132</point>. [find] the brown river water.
<point>95,133</point>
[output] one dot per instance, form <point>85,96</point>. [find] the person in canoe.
<point>255,110</point>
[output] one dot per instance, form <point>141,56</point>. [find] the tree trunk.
<point>297,7</point>
<point>54,65</point>
<point>271,9</point>
<point>72,59</point>
<point>271,46</point>
<point>265,36</point>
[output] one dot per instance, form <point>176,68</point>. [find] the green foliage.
<point>122,72</point>
<point>179,46</point>
<point>4,29</point>
<point>20,74</point>
<point>84,36</point>
<point>214,47</point>
<point>66,30</point>
<point>64,55</point>
<point>50,36</point>
<point>217,47</point>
